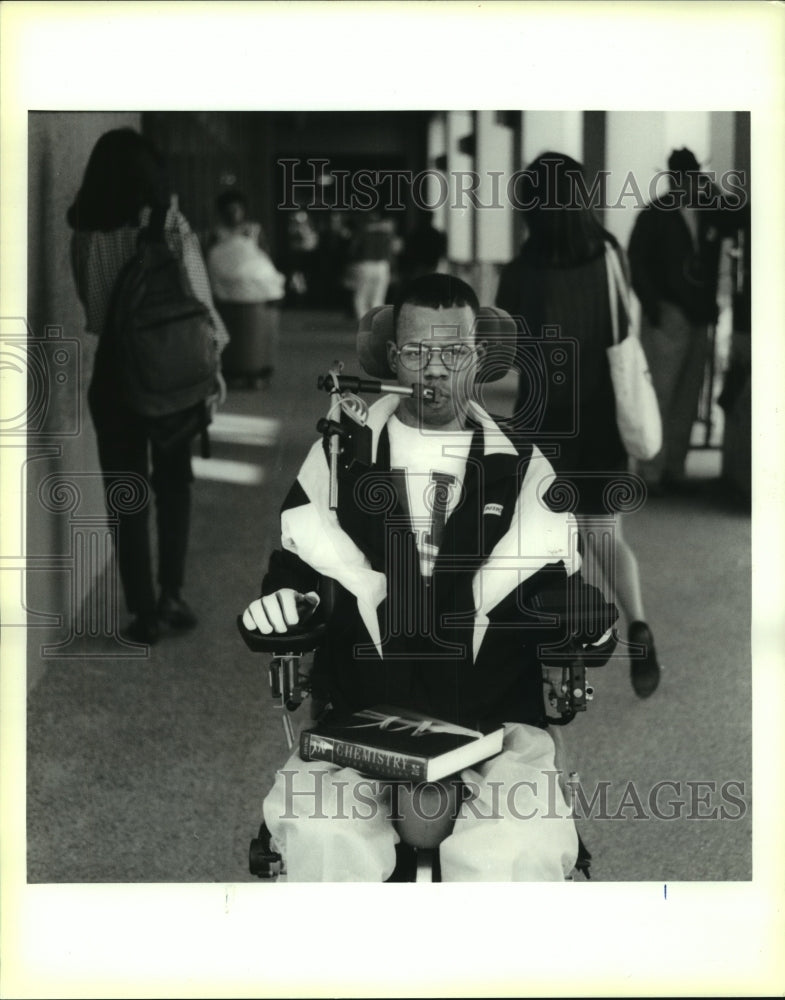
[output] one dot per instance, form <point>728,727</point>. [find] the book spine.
<point>371,761</point>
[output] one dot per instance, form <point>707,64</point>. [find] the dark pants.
<point>124,446</point>
<point>677,351</point>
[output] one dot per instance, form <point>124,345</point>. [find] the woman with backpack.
<point>125,188</point>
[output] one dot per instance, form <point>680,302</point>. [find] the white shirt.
<point>434,464</point>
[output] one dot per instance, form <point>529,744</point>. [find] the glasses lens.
<point>412,357</point>
<point>456,356</point>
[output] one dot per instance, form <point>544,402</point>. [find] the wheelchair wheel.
<point>263,861</point>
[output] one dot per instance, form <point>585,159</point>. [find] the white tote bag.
<point>637,410</point>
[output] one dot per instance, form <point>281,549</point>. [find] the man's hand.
<point>280,611</point>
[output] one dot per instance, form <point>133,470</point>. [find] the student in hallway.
<point>559,280</point>
<point>674,255</point>
<point>125,184</point>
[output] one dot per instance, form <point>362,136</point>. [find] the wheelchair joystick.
<point>289,685</point>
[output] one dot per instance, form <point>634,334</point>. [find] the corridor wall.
<point>60,439</point>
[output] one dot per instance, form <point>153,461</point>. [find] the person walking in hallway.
<point>370,254</point>
<point>674,254</point>
<point>559,279</point>
<point>124,187</point>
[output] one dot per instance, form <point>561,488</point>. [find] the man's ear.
<point>480,349</point>
<point>392,355</point>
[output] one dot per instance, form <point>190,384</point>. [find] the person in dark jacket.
<point>674,253</point>
<point>424,248</point>
<point>558,281</point>
<point>371,254</point>
<point>452,576</point>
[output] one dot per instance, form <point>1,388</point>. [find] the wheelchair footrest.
<point>415,864</point>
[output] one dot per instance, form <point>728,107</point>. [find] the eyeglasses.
<point>415,357</point>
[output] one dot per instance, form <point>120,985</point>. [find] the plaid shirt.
<point>97,258</point>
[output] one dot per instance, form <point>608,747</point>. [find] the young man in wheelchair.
<point>451,578</point>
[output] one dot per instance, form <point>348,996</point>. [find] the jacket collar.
<point>495,441</point>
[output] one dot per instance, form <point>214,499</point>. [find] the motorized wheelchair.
<point>566,690</point>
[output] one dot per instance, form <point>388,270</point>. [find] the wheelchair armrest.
<point>297,640</point>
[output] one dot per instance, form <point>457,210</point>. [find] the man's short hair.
<point>435,291</point>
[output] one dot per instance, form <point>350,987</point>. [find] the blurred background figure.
<point>238,260</point>
<point>736,395</point>
<point>674,253</point>
<point>559,279</point>
<point>302,244</point>
<point>424,249</point>
<point>332,258</point>
<point>231,206</point>
<point>124,184</point>
<point>369,270</point>
<point>245,284</point>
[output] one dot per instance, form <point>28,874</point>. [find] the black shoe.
<point>174,612</point>
<point>143,630</point>
<point>645,670</point>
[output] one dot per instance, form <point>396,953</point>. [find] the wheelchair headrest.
<point>494,326</point>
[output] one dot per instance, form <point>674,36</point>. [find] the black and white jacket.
<point>506,593</point>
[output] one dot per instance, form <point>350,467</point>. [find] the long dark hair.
<point>563,228</point>
<point>125,173</point>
